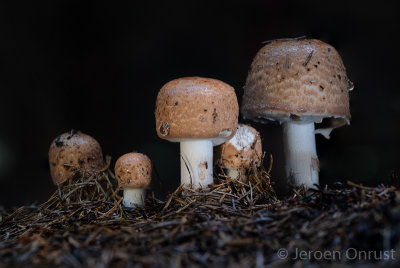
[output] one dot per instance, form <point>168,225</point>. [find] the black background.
<point>97,67</point>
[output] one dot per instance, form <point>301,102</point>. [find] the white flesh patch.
<point>242,139</point>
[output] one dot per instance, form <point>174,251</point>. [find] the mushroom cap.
<point>243,149</point>
<point>300,80</point>
<point>74,152</point>
<point>133,170</point>
<point>196,108</point>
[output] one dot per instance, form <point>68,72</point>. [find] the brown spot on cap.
<point>164,129</point>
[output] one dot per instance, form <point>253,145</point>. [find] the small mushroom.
<point>133,171</point>
<point>301,82</point>
<point>199,113</point>
<point>74,153</point>
<point>241,152</point>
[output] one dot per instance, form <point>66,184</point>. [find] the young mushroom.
<point>199,113</point>
<point>298,82</point>
<point>241,152</point>
<point>74,153</point>
<point>133,172</point>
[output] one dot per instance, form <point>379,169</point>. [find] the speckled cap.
<point>133,170</point>
<point>74,152</point>
<point>196,108</point>
<point>243,149</point>
<point>299,80</point>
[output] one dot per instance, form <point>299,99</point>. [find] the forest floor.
<point>229,224</point>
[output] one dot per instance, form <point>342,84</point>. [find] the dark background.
<point>97,67</point>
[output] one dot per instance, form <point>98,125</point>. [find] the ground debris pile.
<point>229,224</point>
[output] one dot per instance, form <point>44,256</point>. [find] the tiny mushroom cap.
<point>133,172</point>
<point>199,113</point>
<point>298,82</point>
<point>74,153</point>
<point>242,150</point>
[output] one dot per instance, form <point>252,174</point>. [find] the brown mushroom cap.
<point>74,152</point>
<point>241,150</point>
<point>300,80</point>
<point>133,170</point>
<point>196,108</point>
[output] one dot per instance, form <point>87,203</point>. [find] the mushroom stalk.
<point>196,162</point>
<point>133,197</point>
<point>302,165</point>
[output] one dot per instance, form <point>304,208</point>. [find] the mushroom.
<point>74,153</point>
<point>298,82</point>
<point>241,152</point>
<point>133,172</point>
<point>199,113</point>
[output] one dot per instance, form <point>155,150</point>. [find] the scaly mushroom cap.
<point>243,149</point>
<point>300,80</point>
<point>196,108</point>
<point>72,153</point>
<point>133,170</point>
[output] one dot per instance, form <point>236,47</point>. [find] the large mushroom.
<point>74,153</point>
<point>199,113</point>
<point>241,152</point>
<point>298,82</point>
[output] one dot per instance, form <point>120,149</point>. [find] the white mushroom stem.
<point>302,165</point>
<point>196,162</point>
<point>235,173</point>
<point>133,197</point>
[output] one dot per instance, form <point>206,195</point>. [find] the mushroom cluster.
<point>297,82</point>
<point>77,154</point>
